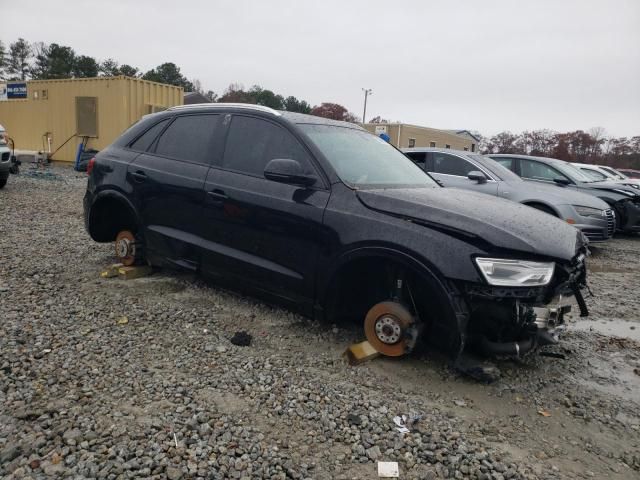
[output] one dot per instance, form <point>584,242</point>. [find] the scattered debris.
<point>122,321</point>
<point>544,413</point>
<point>111,271</point>
<point>406,423</point>
<point>241,339</point>
<point>130,273</point>
<point>460,403</point>
<point>354,419</point>
<point>126,273</point>
<point>478,369</point>
<point>561,356</point>
<point>360,352</point>
<point>636,371</point>
<point>388,470</point>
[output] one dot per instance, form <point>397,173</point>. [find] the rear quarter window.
<point>144,141</point>
<point>189,138</point>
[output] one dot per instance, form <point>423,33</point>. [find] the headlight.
<point>588,211</point>
<point>516,273</point>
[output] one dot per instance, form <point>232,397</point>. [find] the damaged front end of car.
<point>507,320</point>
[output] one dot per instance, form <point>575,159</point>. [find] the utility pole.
<point>367,92</point>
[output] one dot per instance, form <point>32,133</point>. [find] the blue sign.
<point>16,90</point>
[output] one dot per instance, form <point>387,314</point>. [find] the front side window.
<point>539,171</point>
<point>253,142</point>
<point>189,138</point>
<point>594,174</point>
<point>145,141</point>
<point>451,165</point>
<point>363,160</point>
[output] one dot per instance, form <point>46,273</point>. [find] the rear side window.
<point>189,138</point>
<point>451,165</point>
<point>252,143</point>
<point>145,141</point>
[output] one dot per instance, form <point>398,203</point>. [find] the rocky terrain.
<point>106,378</point>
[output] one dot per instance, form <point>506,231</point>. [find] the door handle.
<point>139,176</point>
<point>217,194</point>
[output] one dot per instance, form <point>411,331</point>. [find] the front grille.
<point>611,222</point>
<point>5,156</point>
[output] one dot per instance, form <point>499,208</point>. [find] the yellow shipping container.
<point>68,110</point>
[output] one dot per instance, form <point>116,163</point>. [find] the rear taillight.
<point>90,165</point>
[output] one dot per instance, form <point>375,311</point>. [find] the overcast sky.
<point>480,65</point>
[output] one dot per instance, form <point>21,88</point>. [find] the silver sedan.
<point>472,171</point>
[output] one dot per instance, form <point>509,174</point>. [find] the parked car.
<point>472,171</point>
<point>601,173</point>
<point>331,220</point>
<point>630,173</point>
<point>624,200</point>
<point>5,157</point>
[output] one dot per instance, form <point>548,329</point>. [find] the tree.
<point>235,93</point>
<point>378,119</point>
<point>40,68</point>
<point>3,60</point>
<point>504,142</point>
<point>334,111</point>
<point>168,73</point>
<point>85,67</point>
<point>292,104</point>
<point>211,95</point>
<point>266,98</point>
<point>61,61</point>
<point>128,71</point>
<point>109,68</point>
<point>19,54</point>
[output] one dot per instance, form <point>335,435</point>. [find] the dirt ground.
<point>288,405</point>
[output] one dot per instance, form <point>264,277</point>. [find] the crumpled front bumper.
<point>515,321</point>
<point>628,212</point>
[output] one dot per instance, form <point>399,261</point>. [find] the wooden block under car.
<point>111,271</point>
<point>129,273</point>
<point>360,352</point>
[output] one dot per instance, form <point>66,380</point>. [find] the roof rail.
<point>248,106</point>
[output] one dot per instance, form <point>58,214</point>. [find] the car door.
<point>263,234</point>
<point>167,180</point>
<point>452,171</point>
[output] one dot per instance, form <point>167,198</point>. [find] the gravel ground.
<point>86,393</point>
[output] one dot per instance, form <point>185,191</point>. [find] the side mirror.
<point>562,181</point>
<point>284,170</point>
<point>477,176</point>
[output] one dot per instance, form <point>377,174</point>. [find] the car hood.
<point>612,187</point>
<point>501,223</point>
<point>554,195</point>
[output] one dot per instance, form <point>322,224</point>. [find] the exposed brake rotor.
<point>125,246</point>
<point>389,328</point>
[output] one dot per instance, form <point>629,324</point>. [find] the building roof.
<point>464,132</point>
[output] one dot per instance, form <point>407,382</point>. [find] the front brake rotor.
<point>386,326</point>
<point>125,245</point>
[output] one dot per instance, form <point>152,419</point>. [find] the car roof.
<point>553,161</point>
<point>438,149</point>
<point>293,117</point>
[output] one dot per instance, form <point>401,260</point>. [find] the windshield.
<point>500,171</point>
<point>615,173</point>
<point>593,174</point>
<point>363,160</point>
<point>573,172</point>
